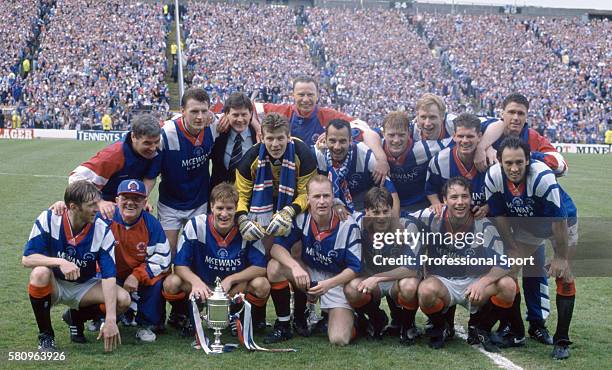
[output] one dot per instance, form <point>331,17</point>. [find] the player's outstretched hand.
<point>281,222</point>
<point>480,211</point>
<point>70,270</point>
<point>341,211</point>
<point>559,268</point>
<point>200,291</point>
<point>106,208</point>
<point>367,286</point>
<point>131,284</point>
<point>249,229</point>
<point>149,207</point>
<point>381,170</point>
<point>58,207</point>
<point>110,332</point>
<point>321,288</point>
<point>223,125</point>
<point>437,209</point>
<point>301,278</point>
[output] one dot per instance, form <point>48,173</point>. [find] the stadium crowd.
<point>87,69</point>
<point>20,25</point>
<point>372,71</point>
<point>369,62</point>
<point>264,55</point>
<point>569,94</point>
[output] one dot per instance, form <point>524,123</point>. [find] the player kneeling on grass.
<point>211,246</point>
<point>142,256</point>
<point>379,277</point>
<point>484,287</point>
<point>63,251</point>
<point>330,257</point>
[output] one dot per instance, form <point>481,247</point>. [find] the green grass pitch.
<point>33,175</point>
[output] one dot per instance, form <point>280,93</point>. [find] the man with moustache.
<point>308,120</point>
<point>350,167</point>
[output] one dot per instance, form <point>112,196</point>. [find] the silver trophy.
<point>217,314</point>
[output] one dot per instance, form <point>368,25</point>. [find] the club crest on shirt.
<point>198,151</point>
<point>521,207</point>
<point>141,249</point>
<point>354,180</point>
<point>89,256</point>
<point>315,137</point>
<point>222,253</point>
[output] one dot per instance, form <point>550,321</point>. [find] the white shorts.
<point>334,298</point>
<point>175,219</point>
<point>70,293</point>
<point>456,289</point>
<point>523,236</point>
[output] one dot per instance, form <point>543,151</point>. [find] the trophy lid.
<point>218,293</point>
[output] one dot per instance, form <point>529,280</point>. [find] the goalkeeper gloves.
<point>249,229</point>
<point>281,222</point>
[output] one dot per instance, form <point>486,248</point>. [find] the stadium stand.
<point>96,58</point>
<point>19,26</point>
<point>244,48</point>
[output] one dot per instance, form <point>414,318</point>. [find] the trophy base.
<point>215,348</point>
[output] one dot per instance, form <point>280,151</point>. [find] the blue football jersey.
<point>539,197</point>
<point>359,176</point>
<point>438,239</point>
<point>409,171</point>
<point>185,165</point>
<point>210,255</point>
<point>446,165</point>
<point>52,236</point>
<point>332,250</point>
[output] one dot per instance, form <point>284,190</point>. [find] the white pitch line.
<point>498,359</point>
<point>32,175</point>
